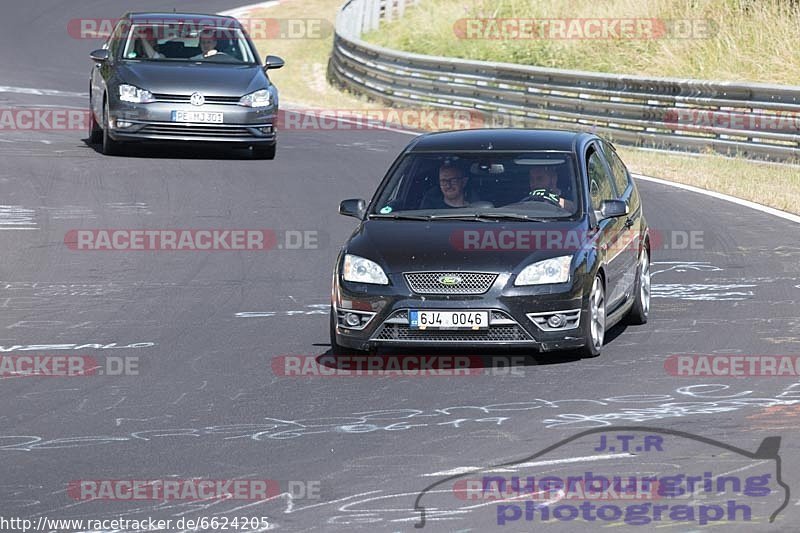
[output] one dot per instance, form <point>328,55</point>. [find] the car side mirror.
<point>355,207</point>
<point>273,62</point>
<point>613,208</point>
<point>100,55</point>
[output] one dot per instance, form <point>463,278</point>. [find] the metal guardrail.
<point>753,120</point>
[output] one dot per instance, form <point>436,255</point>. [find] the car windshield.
<point>187,42</point>
<point>486,184</point>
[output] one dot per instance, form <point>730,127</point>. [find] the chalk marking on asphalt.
<point>468,469</point>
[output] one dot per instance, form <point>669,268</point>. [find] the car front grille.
<point>184,99</point>
<point>502,328</point>
<point>197,130</point>
<point>468,282</point>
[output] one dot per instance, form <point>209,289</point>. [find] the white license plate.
<point>448,319</point>
<point>197,116</point>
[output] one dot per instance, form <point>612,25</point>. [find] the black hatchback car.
<point>494,237</point>
<point>182,77</point>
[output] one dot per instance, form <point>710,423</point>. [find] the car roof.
<point>500,139</point>
<point>195,18</point>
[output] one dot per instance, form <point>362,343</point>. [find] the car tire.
<point>265,152</point>
<point>641,305</point>
<point>110,146</point>
<point>595,330</point>
<point>95,130</point>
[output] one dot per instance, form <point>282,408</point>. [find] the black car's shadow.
<point>176,150</point>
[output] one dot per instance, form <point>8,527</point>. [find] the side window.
<point>618,170</point>
<point>601,186</point>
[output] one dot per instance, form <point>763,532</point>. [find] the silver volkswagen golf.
<point>182,77</point>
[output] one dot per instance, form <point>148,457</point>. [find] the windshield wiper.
<point>402,217</point>
<point>489,216</point>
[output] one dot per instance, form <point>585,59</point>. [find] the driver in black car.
<point>544,188</point>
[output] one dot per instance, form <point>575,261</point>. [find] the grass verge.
<point>731,40</point>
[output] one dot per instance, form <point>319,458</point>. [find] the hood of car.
<point>185,78</point>
<point>409,245</point>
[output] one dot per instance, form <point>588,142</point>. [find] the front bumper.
<point>515,316</point>
<point>154,122</point>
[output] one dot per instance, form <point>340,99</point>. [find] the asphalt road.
<point>205,327</point>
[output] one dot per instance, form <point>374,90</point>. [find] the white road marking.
<point>41,92</point>
<point>720,196</point>
<point>243,10</point>
<point>467,469</point>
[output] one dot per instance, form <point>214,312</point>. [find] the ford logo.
<point>197,99</point>
<point>450,280</point>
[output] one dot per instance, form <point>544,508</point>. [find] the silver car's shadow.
<point>177,150</point>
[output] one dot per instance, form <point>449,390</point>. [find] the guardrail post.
<point>361,16</point>
<point>375,15</point>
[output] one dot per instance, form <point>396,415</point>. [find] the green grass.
<point>748,40</point>
<point>302,82</point>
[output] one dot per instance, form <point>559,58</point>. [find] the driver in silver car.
<point>208,45</point>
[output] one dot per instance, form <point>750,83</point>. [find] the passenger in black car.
<point>451,192</point>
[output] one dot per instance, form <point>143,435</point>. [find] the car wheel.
<point>110,146</point>
<point>265,152</point>
<point>95,131</point>
<point>595,330</point>
<point>641,305</point>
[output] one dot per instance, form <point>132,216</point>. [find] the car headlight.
<point>555,270</point>
<point>363,270</point>
<point>135,95</point>
<point>262,98</point>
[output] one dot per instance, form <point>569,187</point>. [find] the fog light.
<point>352,320</point>
<point>556,321</point>
<point>124,124</point>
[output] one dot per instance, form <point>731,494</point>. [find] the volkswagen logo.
<point>450,280</point>
<point>197,99</point>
